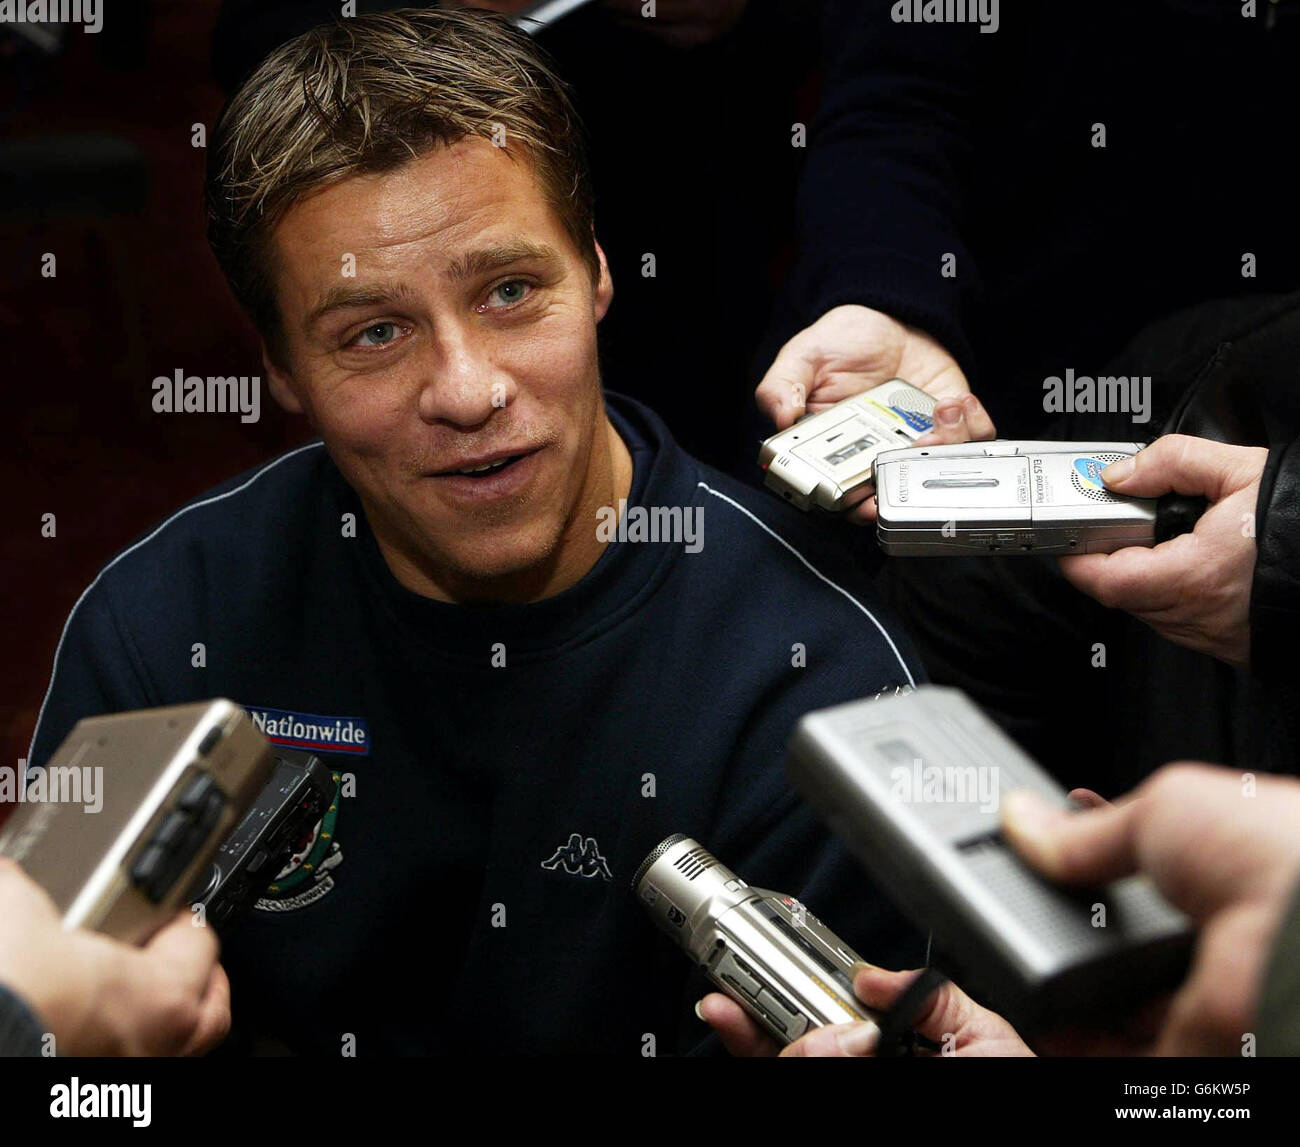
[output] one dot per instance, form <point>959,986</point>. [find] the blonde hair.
<point>366,95</point>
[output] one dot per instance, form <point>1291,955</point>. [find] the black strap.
<point>1178,514</point>
<point>896,1034</point>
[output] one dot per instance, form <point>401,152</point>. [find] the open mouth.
<point>497,468</point>
<point>487,469</point>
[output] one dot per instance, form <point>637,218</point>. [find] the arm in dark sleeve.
<point>1275,609</point>
<point>97,669</point>
<point>1275,592</point>
<point>20,1031</point>
<point>879,202</point>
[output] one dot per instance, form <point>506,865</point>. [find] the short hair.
<point>366,95</point>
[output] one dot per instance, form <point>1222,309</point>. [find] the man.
<point>532,635</point>
<point>747,64</point>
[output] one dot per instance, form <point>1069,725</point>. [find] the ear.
<point>280,383</point>
<point>604,286</point>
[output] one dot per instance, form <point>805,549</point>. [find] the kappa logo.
<point>580,857</point>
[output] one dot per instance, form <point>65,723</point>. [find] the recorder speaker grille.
<point>691,864</point>
<point>1088,490</point>
<point>658,851</point>
<point>906,398</point>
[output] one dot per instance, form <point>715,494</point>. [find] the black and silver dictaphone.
<point>1013,497</point>
<point>824,457</point>
<point>284,814</point>
<point>763,949</point>
<point>170,782</point>
<point>913,784</point>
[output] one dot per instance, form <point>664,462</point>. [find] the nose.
<point>462,385</point>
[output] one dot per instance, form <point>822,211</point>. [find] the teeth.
<point>485,466</point>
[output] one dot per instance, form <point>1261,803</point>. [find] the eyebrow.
<point>489,258</point>
<point>502,254</point>
<point>357,295</point>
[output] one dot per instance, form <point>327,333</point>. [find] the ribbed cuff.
<point>20,1031</point>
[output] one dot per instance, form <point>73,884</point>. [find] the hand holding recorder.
<point>176,779</point>
<point>851,350</point>
<point>764,949</point>
<point>1223,851</point>
<point>101,997</point>
<point>1226,852</point>
<point>960,1027</point>
<point>1193,589</point>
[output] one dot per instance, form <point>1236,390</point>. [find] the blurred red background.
<point>137,294</point>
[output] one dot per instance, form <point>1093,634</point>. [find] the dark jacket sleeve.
<point>20,1031</point>
<point>1275,592</point>
<point>879,202</point>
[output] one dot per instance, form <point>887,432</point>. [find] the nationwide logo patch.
<point>312,731</point>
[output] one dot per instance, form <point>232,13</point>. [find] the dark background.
<point>137,294</point>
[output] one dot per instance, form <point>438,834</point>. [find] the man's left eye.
<point>374,335</point>
<point>510,293</point>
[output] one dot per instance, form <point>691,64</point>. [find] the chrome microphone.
<point>763,949</point>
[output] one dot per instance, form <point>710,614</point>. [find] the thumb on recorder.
<point>1195,588</point>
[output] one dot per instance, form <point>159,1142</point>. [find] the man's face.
<point>438,319</point>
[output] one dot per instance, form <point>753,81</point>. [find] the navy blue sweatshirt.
<point>469,890</point>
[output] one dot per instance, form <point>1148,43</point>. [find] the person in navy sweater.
<point>532,636</point>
